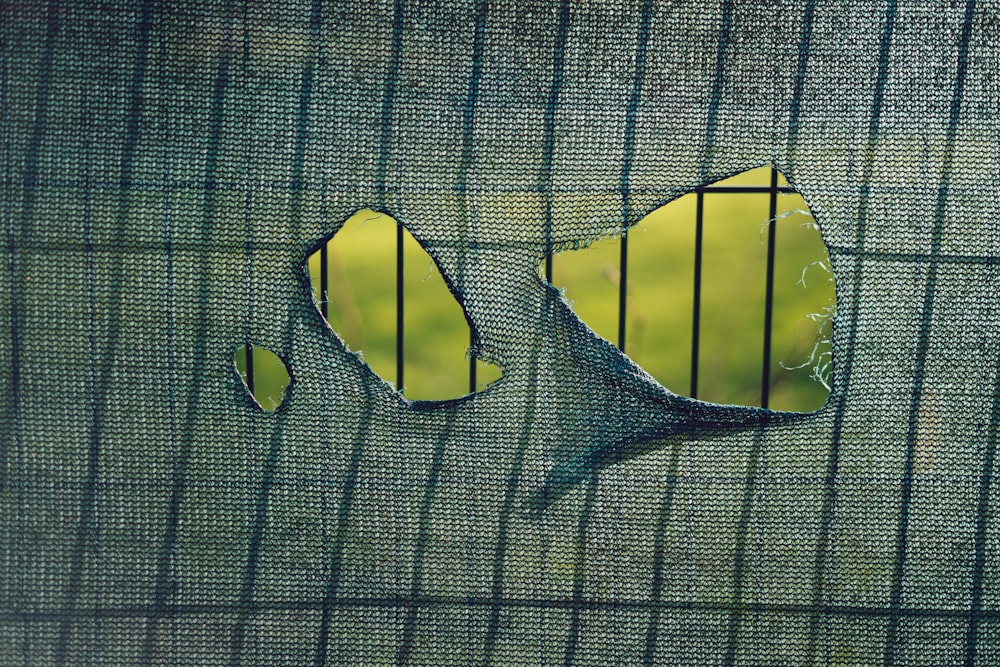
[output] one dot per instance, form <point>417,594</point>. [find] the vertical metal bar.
<point>622,290</point>
<point>249,367</point>
<point>324,281</point>
<point>696,314</point>
<point>772,226</point>
<point>472,363</point>
<point>399,307</point>
<point>324,260</point>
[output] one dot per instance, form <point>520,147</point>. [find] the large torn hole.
<point>264,375</point>
<point>360,304</point>
<point>660,304</point>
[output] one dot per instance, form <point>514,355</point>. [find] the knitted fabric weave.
<point>169,167</point>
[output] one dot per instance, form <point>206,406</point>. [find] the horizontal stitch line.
<point>695,480</point>
<point>282,187</point>
<point>180,246</point>
<point>482,187</point>
<point>147,611</point>
<point>927,258</point>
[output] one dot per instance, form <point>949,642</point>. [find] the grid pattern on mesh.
<point>168,170</point>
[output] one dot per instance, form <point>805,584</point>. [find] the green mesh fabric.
<point>169,167</point>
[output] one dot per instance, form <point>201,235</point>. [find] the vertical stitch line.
<point>513,480</point>
<point>364,426</point>
<point>168,238</point>
<point>33,152</point>
<point>982,505</point>
<point>840,387</point>
<point>739,559</point>
<point>164,588</point>
<point>101,390</point>
<point>468,156</point>
<point>549,128</point>
<point>547,168</point>
<point>659,556</point>
<point>389,100</point>
<point>166,218</point>
<point>256,540</point>
<point>247,221</point>
<point>10,246</point>
<point>93,531</point>
<point>363,435</point>
<point>795,108</point>
<point>12,551</point>
<point>923,341</point>
<point>17,306</point>
<point>580,568</point>
<point>718,82</point>
<point>628,155</point>
<point>423,536</point>
<point>236,638</point>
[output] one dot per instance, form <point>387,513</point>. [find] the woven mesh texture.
<point>168,168</point>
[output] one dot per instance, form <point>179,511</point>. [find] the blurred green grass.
<point>660,295</point>
<point>659,307</point>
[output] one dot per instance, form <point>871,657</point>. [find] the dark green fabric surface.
<point>169,167</point>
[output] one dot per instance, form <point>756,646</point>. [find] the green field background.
<point>659,307</point>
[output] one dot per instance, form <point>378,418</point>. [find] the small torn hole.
<point>264,375</point>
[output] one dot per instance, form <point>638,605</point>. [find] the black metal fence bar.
<point>399,307</point>
<point>324,280</point>
<point>472,364</point>
<point>699,220</point>
<point>765,381</point>
<point>772,190</point>
<point>249,368</point>
<point>622,289</point>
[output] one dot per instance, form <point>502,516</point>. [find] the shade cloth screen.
<point>169,167</point>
